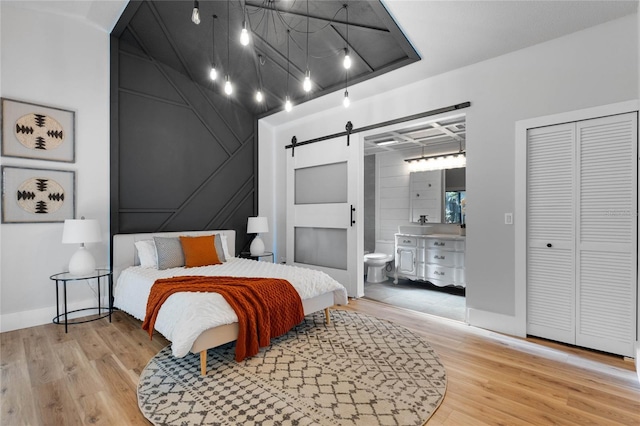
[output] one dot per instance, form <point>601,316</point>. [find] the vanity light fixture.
<point>452,160</point>
<point>437,162</point>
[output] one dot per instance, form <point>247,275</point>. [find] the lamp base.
<point>82,262</point>
<point>257,246</point>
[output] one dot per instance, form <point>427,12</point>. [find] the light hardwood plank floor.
<point>89,376</point>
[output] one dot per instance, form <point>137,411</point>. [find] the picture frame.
<point>31,195</point>
<point>37,131</point>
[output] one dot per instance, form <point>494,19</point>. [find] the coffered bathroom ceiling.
<point>163,30</point>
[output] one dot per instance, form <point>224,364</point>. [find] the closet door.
<point>607,233</point>
<point>550,232</point>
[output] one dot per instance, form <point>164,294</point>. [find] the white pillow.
<point>225,246</point>
<point>147,253</point>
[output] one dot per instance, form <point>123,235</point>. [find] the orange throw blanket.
<point>266,307</point>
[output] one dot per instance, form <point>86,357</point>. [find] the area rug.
<point>359,370</point>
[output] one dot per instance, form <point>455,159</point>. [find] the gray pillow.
<point>217,241</point>
<point>169,252</point>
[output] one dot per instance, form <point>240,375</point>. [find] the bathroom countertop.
<point>444,236</point>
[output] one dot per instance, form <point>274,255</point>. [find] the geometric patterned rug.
<point>359,370</point>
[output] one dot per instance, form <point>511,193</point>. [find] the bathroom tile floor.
<point>447,302</point>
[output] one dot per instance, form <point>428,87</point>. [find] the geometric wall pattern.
<point>183,157</point>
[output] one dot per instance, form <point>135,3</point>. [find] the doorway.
<point>388,209</point>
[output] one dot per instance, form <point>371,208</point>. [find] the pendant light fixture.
<point>195,14</point>
<point>347,64</point>
<point>213,73</point>
<point>347,58</point>
<point>244,34</point>
<point>228,88</point>
<point>287,102</point>
<point>306,85</point>
<point>259,94</point>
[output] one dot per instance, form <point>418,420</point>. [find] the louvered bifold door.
<point>607,233</point>
<point>550,232</point>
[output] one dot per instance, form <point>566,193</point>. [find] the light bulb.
<point>346,102</point>
<point>306,85</point>
<point>259,96</point>
<point>213,74</point>
<point>347,59</point>
<point>228,88</point>
<point>287,105</point>
<point>195,16</point>
<point>244,36</point>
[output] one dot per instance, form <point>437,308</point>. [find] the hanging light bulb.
<point>195,15</point>
<point>306,85</point>
<point>213,73</point>
<point>287,105</point>
<point>346,102</point>
<point>228,88</point>
<point>259,96</point>
<point>347,59</point>
<point>244,34</point>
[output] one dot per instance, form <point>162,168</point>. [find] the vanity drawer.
<point>444,244</point>
<point>445,258</point>
<point>402,240</point>
<point>445,274</point>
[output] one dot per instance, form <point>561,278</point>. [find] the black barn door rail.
<point>350,130</point>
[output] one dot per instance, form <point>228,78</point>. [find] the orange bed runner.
<point>266,307</point>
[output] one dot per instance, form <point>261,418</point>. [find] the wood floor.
<point>89,376</point>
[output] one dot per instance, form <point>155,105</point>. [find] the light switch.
<point>508,218</point>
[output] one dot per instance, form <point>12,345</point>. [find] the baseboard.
<point>506,324</point>
<point>637,360</point>
<point>25,319</point>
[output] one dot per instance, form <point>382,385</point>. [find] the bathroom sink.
<point>415,229</point>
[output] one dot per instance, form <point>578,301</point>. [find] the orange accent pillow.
<point>199,251</point>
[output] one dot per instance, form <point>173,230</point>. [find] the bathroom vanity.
<point>436,258</point>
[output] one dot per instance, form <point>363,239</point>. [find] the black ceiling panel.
<point>376,43</point>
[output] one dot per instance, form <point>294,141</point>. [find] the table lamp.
<point>81,231</point>
<point>257,225</point>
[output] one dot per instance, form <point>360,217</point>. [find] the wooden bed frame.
<point>125,255</point>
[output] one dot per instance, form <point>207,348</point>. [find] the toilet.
<point>377,262</point>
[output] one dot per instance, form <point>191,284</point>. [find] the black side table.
<point>64,277</point>
<point>248,255</point>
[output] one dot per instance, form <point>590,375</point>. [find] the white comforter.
<point>183,316</point>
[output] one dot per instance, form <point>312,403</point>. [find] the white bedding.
<point>183,316</point>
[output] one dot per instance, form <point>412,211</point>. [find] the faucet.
<point>423,219</point>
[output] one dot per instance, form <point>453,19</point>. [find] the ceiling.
<point>447,35</point>
<point>280,50</point>
<point>444,135</point>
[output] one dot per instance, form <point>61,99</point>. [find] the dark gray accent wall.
<point>184,156</point>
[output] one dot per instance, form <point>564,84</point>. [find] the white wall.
<point>589,68</point>
<point>63,62</point>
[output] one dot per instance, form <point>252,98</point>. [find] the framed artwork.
<point>37,195</point>
<point>38,132</point>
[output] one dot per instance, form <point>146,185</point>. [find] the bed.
<point>196,322</point>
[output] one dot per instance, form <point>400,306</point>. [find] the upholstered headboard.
<point>124,249</point>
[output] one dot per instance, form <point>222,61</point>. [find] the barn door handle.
<point>549,245</point>
<point>353,209</point>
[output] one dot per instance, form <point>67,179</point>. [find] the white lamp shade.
<point>257,225</point>
<point>78,231</point>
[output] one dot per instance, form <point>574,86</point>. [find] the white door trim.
<point>520,210</point>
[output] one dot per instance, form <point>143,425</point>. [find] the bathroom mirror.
<point>437,196</point>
